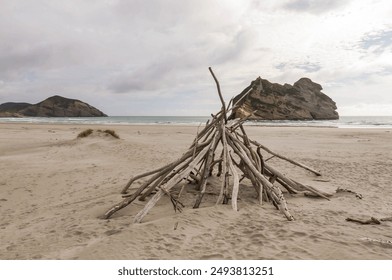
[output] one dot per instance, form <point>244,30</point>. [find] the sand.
<point>53,188</point>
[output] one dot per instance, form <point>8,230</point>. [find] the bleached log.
<point>236,184</point>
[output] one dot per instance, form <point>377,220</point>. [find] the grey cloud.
<point>42,57</point>
<point>13,60</point>
<point>232,50</point>
<point>149,78</point>
<point>308,67</point>
<point>154,75</point>
<point>174,65</point>
<point>379,41</point>
<point>314,6</point>
<point>281,66</point>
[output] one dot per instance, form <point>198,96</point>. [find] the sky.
<point>138,57</point>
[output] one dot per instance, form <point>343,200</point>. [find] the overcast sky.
<point>139,57</point>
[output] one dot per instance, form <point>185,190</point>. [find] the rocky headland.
<point>55,106</point>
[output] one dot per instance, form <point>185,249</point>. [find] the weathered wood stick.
<point>213,163</point>
<point>251,87</point>
<point>206,131</point>
<point>152,179</point>
<point>255,157</point>
<point>226,188</point>
<point>220,162</point>
<point>229,105</point>
<point>247,174</point>
<point>379,241</point>
<point>372,220</point>
<point>133,179</point>
<point>153,183</point>
<point>236,184</point>
<point>357,195</point>
<point>313,190</point>
<point>261,160</point>
<point>288,187</point>
<point>206,172</point>
<point>202,187</point>
<point>220,95</point>
<point>164,178</point>
<point>223,166</point>
<point>243,147</point>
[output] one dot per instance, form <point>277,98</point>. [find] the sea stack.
<point>271,101</point>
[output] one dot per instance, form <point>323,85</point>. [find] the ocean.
<point>343,122</point>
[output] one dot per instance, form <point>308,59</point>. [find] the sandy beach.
<point>53,188</point>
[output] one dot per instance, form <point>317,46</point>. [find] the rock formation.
<point>270,101</point>
<point>55,106</point>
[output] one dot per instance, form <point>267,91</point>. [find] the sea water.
<point>343,122</point>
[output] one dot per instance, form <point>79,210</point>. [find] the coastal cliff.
<point>55,106</point>
<point>271,101</point>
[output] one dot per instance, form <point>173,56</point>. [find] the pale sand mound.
<point>53,188</point>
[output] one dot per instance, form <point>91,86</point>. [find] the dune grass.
<point>87,132</point>
<point>110,132</point>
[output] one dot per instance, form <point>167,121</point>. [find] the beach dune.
<point>54,187</point>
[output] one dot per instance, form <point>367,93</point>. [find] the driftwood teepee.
<point>239,157</point>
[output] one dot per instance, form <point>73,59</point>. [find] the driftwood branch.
<point>369,221</point>
<point>220,95</point>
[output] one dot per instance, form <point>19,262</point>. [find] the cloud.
<point>377,42</point>
<point>152,77</point>
<point>314,6</point>
<point>307,67</point>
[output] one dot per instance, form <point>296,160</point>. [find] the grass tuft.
<point>85,133</point>
<point>107,132</point>
<point>111,132</point>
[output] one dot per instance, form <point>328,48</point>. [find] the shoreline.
<point>54,187</point>
<point>383,122</point>
<point>184,125</point>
